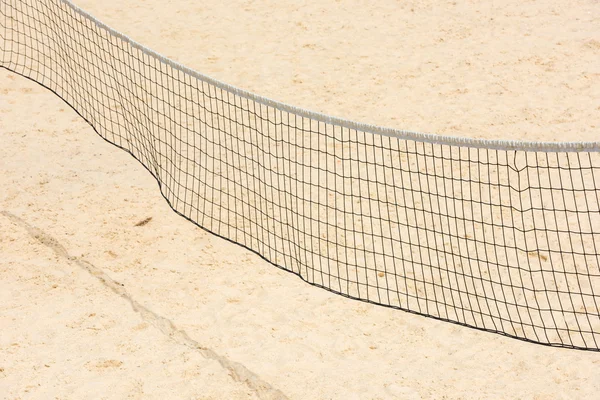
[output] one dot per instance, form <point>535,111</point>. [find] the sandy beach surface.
<point>93,306</point>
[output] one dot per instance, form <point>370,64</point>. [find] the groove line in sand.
<point>237,371</point>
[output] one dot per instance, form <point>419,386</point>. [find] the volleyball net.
<point>495,235</point>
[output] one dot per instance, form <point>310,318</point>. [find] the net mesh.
<point>503,240</point>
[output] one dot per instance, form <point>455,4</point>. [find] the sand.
<point>94,306</point>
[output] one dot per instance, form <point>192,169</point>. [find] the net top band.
<point>491,144</point>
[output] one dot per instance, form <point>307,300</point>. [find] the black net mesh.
<point>500,240</point>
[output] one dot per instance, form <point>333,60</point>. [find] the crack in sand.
<point>237,371</point>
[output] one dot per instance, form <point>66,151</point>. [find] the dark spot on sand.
<point>538,255</point>
<point>144,222</point>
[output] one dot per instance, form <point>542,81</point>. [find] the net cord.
<point>491,144</point>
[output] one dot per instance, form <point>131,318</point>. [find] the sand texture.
<point>107,293</point>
